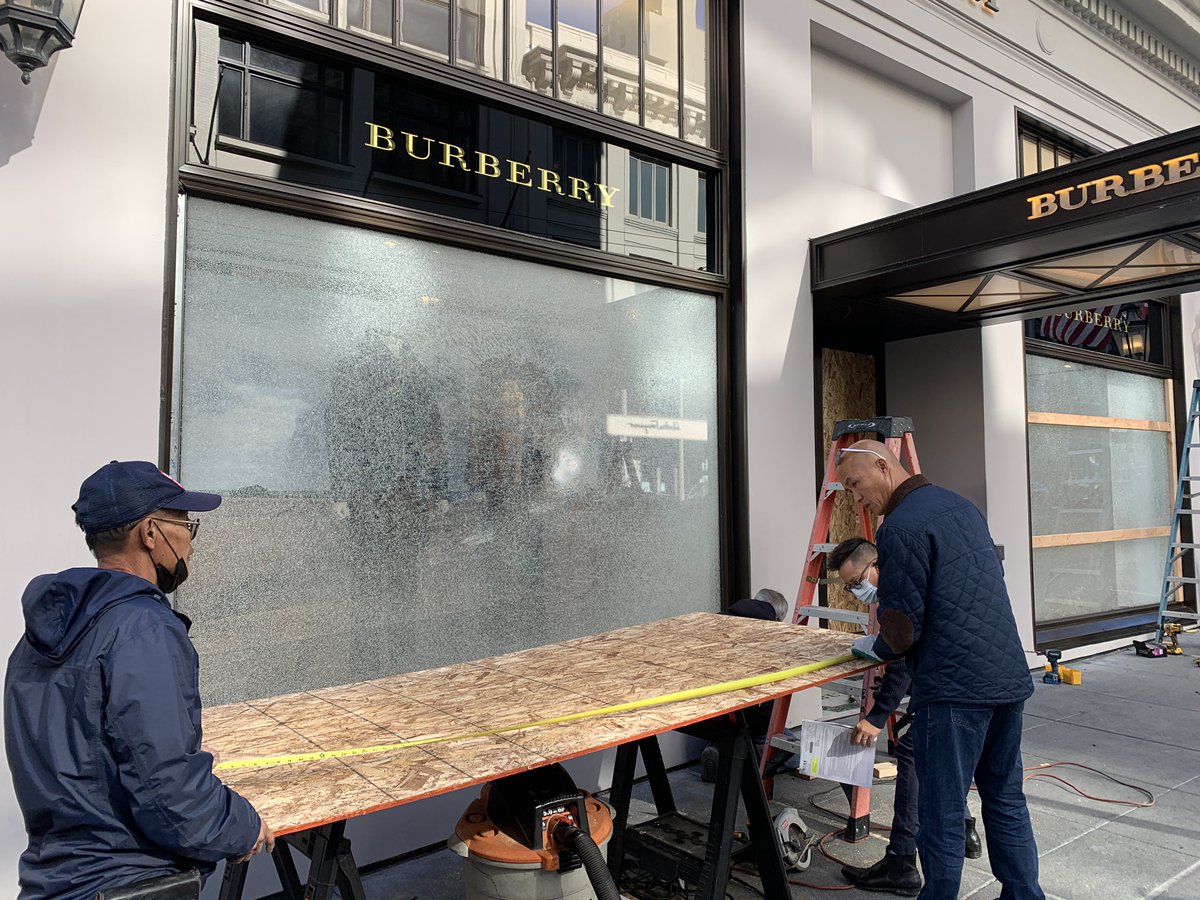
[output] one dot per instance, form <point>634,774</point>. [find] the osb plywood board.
<point>455,705</point>
<point>847,392</point>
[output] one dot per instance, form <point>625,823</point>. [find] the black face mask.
<point>169,581</point>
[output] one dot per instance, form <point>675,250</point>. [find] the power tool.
<point>1053,676</point>
<point>1170,641</point>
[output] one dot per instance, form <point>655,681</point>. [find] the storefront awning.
<point>1123,224</point>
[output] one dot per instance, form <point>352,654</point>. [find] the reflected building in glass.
<point>476,360</point>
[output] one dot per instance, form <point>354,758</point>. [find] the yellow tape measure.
<point>723,687</point>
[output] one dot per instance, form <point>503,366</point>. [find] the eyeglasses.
<point>849,586</point>
<point>190,524</point>
<point>842,453</point>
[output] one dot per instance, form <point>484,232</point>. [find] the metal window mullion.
<point>245,70</point>
<point>282,78</point>
<point>506,40</point>
<point>554,49</point>
<point>320,125</point>
<point>679,63</point>
<point>452,24</point>
<point>642,62</point>
<point>1126,261</point>
<point>599,56</point>
<point>975,293</point>
<point>1066,290</point>
<point>371,53</point>
<point>717,52</point>
<point>1185,241</point>
<point>633,195</point>
<point>672,186</point>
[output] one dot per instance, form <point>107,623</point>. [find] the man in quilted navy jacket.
<point>944,608</point>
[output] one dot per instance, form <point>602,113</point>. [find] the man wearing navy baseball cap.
<point>102,705</point>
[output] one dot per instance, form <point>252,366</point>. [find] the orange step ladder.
<point>897,433</point>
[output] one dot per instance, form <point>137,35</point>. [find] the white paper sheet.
<point>827,753</point>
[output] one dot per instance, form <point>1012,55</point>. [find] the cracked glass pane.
<point>431,454</point>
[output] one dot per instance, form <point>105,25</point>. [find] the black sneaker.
<point>891,875</point>
<point>974,847</point>
<point>708,764</point>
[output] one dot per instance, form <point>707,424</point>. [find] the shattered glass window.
<point>430,454</point>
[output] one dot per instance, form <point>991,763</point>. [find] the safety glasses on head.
<point>842,453</point>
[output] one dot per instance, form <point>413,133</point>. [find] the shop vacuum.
<point>535,836</point>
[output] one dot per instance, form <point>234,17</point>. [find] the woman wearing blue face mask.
<point>857,564</point>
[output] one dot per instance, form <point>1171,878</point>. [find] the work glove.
<point>864,648</point>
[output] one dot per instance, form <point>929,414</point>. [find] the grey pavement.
<point>1134,718</point>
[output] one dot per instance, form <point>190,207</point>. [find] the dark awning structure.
<point>1124,224</point>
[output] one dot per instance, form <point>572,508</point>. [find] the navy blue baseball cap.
<point>123,492</point>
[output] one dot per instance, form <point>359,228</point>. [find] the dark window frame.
<point>1089,628</point>
<point>1165,369</point>
<point>721,159</point>
<point>1052,138</point>
<point>659,169</point>
<point>464,133</point>
<point>319,87</point>
<point>573,154</point>
<point>707,10</point>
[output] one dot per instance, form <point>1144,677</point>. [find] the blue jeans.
<point>905,813</point>
<point>951,744</point>
<point>903,838</point>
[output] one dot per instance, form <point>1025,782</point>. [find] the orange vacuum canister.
<point>509,854</point>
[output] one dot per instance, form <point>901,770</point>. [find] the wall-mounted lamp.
<point>31,31</point>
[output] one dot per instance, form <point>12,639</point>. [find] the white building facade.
<point>148,312</point>
<point>889,107</point>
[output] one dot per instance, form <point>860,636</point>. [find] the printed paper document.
<point>826,752</point>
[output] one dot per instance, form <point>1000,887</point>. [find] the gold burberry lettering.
<point>1092,317</point>
<point>380,137</point>
<point>1102,190</point>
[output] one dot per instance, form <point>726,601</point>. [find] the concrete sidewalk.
<point>1137,719</point>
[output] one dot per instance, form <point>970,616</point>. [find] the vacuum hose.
<point>574,838</point>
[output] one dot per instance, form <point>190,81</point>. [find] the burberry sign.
<point>523,174</point>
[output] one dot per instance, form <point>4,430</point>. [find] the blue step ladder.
<point>1178,550</point>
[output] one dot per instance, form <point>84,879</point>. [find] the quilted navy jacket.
<point>943,604</point>
<point>102,730</point>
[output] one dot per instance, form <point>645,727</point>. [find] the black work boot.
<point>974,848</point>
<point>891,875</point>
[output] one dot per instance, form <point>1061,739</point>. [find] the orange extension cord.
<point>1033,772</point>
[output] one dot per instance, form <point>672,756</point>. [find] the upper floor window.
<point>576,156</point>
<point>1042,148</point>
<point>435,118</point>
<point>272,98</point>
<point>271,110</point>
<point>316,6</point>
<point>646,62</point>
<point>649,190</point>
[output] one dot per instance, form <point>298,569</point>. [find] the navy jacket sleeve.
<point>904,573</point>
<point>892,688</point>
<point>153,725</point>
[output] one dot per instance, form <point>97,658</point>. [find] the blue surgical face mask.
<point>865,592</point>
